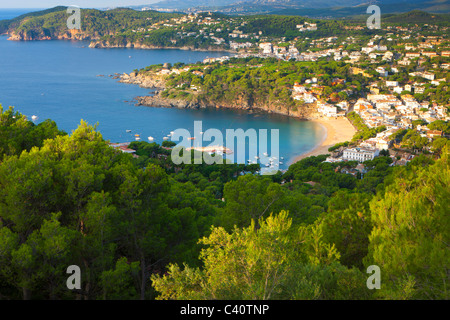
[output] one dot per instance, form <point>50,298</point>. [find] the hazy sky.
<point>80,3</point>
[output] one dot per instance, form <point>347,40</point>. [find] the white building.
<point>391,83</point>
<point>267,47</point>
<point>298,88</point>
<point>327,110</point>
<point>359,154</point>
<point>308,97</point>
<point>382,71</point>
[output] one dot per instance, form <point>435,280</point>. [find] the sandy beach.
<point>338,130</point>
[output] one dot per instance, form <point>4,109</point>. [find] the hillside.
<point>320,8</point>
<point>52,23</point>
<point>416,16</point>
<point>13,23</point>
<point>75,200</point>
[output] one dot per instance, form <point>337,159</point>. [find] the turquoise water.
<point>58,80</point>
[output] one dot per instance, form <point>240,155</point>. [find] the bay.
<point>59,80</point>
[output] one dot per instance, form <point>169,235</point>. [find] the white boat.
<point>150,138</point>
<point>165,138</point>
<point>265,154</point>
<point>256,157</point>
<point>137,138</point>
<point>282,158</point>
<point>33,117</point>
<point>281,162</point>
<point>128,131</point>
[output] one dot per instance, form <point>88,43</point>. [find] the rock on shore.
<point>67,35</point>
<point>158,101</point>
<point>144,81</point>
<point>106,44</point>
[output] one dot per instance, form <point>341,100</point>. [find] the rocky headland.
<point>158,82</point>
<point>102,44</point>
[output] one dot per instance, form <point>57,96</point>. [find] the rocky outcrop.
<point>106,44</point>
<point>153,80</point>
<point>33,36</point>
<point>307,112</point>
<point>158,101</point>
<point>144,81</point>
<point>96,43</point>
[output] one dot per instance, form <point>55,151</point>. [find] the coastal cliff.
<point>100,44</point>
<point>157,100</point>
<point>104,44</point>
<point>36,36</point>
<point>308,112</point>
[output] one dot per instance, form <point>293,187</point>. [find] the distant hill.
<point>312,8</point>
<point>417,16</point>
<point>186,4</point>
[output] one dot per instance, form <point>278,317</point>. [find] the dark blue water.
<point>58,80</point>
<point>12,13</point>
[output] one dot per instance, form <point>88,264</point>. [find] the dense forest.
<point>144,228</point>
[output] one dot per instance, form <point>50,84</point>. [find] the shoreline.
<point>99,44</point>
<point>337,130</point>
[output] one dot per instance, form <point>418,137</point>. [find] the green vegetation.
<point>253,82</point>
<point>142,227</point>
<point>405,229</point>
<point>306,234</point>
<point>94,23</point>
<point>12,23</point>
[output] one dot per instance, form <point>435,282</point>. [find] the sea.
<point>11,13</point>
<point>67,81</point>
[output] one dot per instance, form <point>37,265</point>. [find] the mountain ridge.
<point>318,8</point>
